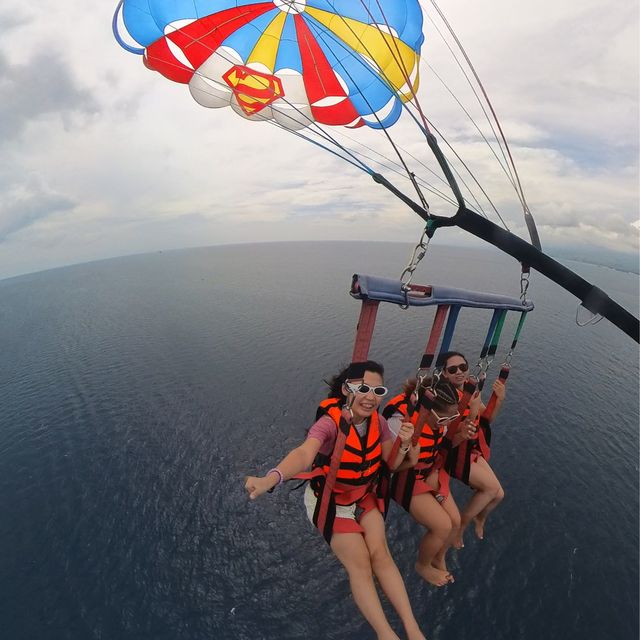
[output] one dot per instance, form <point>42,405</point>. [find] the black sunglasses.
<point>464,367</point>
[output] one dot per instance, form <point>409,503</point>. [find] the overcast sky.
<point>100,157</point>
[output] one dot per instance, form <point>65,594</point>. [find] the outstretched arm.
<point>293,463</point>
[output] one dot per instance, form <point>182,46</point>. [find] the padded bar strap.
<point>364,333</point>
<point>365,287</point>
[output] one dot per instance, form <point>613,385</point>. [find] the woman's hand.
<point>475,403</point>
<point>257,486</point>
<point>499,389</point>
<point>405,434</point>
<point>468,430</point>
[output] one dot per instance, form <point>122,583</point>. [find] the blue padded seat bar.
<point>380,289</point>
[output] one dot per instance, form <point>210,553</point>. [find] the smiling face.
<point>458,376</point>
<point>364,404</point>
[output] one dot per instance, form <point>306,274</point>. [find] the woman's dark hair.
<point>355,371</point>
<point>444,393</point>
<point>444,358</point>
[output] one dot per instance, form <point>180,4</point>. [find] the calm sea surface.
<point>136,393</point>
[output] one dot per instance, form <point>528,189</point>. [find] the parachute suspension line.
<point>446,169</point>
<point>397,168</point>
<point>504,165</point>
<point>358,165</point>
<point>321,132</point>
<point>325,32</point>
<point>425,121</point>
<point>533,232</point>
<point>508,169</point>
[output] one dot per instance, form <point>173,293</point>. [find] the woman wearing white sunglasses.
<point>354,526</point>
<point>422,485</point>
<point>476,472</point>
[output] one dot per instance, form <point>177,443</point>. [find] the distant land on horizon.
<point>617,260</point>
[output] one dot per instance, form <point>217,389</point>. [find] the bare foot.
<point>479,526</point>
<point>433,576</point>
<point>439,563</point>
<point>417,635</point>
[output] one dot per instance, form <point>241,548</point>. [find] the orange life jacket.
<point>361,459</point>
<point>430,438</point>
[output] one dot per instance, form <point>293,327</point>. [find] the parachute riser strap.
<point>516,337</point>
<point>334,465</point>
<point>364,331</point>
<point>428,356</point>
<point>446,339</point>
<point>488,355</point>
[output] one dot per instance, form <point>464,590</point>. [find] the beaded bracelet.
<point>280,478</point>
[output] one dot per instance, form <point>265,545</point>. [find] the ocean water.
<point>137,393</point>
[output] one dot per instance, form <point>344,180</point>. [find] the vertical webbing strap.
<point>448,332</point>
<point>492,327</point>
<point>516,337</point>
<point>364,333</point>
<point>434,336</point>
<point>493,347</point>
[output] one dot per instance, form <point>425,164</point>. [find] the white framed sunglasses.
<point>445,419</point>
<point>363,389</point>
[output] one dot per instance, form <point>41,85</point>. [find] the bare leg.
<point>428,512</point>
<point>481,518</point>
<point>450,506</point>
<point>351,550</point>
<point>387,573</point>
<point>484,481</point>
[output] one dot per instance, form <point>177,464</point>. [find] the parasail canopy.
<point>296,62</point>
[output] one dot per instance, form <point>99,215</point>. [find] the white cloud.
<point>99,157</point>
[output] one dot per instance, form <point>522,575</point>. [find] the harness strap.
<point>323,522</point>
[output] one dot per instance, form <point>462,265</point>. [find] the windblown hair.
<point>444,392</point>
<point>355,371</point>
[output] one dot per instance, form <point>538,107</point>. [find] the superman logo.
<point>253,90</point>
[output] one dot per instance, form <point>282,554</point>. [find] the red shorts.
<point>348,517</point>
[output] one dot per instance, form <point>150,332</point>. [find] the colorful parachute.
<point>334,62</point>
